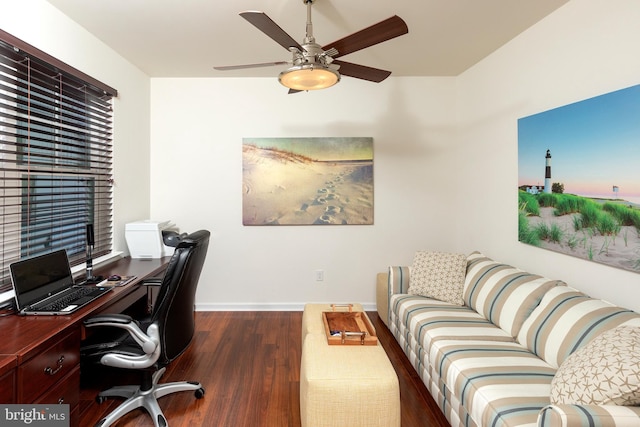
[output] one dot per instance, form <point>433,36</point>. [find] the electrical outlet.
<point>319,275</point>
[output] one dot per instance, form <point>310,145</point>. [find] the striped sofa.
<point>492,361</point>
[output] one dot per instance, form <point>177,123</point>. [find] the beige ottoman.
<point>344,385</point>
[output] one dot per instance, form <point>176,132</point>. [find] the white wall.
<point>54,33</point>
<point>445,155</point>
<point>197,126</point>
<point>445,163</point>
<point>586,48</point>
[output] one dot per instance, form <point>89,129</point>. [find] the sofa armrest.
<point>382,297</point>
<point>394,281</point>
<point>589,415</point>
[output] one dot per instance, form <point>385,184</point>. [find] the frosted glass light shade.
<point>308,77</point>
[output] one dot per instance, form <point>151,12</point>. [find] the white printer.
<point>144,238</point>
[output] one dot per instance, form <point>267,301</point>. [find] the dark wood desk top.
<point>24,336</point>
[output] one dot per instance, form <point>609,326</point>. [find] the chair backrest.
<point>173,310</point>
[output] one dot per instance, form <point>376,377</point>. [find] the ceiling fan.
<point>314,66</point>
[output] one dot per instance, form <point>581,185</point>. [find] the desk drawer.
<point>65,392</point>
<point>45,369</point>
<point>8,387</point>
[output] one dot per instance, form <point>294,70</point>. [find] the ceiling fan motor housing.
<point>312,53</point>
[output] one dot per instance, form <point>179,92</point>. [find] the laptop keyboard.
<point>71,297</point>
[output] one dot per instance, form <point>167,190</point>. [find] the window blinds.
<point>55,157</point>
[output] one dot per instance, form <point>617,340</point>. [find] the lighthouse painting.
<point>588,206</point>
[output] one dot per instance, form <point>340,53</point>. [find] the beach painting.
<point>307,181</point>
<point>579,179</point>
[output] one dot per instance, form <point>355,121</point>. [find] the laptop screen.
<point>37,278</point>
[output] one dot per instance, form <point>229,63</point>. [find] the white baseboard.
<point>263,306</point>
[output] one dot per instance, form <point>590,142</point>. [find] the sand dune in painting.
<point>281,188</point>
<point>621,250</point>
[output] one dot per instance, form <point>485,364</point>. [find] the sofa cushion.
<point>438,275</point>
<point>504,295</point>
<point>499,383</point>
<point>566,320</point>
<point>424,320</point>
<point>606,371</point>
<point>476,364</point>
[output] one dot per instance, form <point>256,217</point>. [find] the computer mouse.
<point>114,278</point>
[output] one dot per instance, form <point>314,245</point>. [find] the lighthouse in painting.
<point>547,173</point>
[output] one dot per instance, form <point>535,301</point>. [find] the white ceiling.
<point>186,38</point>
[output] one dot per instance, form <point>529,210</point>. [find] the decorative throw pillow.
<point>503,294</point>
<point>605,371</point>
<point>566,320</point>
<point>438,275</point>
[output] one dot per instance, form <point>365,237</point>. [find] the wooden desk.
<point>40,355</point>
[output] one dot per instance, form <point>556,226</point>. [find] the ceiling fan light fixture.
<point>308,77</point>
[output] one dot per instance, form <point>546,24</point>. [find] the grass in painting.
<point>556,233</point>
<point>547,200</point>
<point>551,233</point>
<point>626,215</point>
<point>577,223</point>
<point>589,229</point>
<point>607,225</point>
<point>525,234</point>
<point>528,203</point>
<point>590,214</point>
<point>568,203</point>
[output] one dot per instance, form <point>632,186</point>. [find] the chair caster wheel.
<point>100,399</point>
<point>199,393</point>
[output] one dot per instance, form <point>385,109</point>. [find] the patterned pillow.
<point>604,372</point>
<point>567,320</point>
<point>504,295</point>
<point>438,275</point>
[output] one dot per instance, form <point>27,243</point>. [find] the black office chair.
<point>149,345</point>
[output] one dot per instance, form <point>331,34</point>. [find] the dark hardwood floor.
<point>249,364</point>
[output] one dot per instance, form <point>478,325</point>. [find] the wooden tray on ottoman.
<point>348,328</point>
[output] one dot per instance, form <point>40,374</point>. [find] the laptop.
<point>43,285</point>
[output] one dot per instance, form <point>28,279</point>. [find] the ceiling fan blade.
<point>241,67</point>
<point>265,24</point>
<point>377,33</point>
<point>361,71</point>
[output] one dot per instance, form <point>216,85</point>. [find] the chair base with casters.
<point>145,397</point>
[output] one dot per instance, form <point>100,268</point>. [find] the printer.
<point>146,239</point>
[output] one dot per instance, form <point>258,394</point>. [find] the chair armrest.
<point>394,281</point>
<point>122,321</point>
<point>582,415</point>
<point>102,319</point>
<point>152,281</point>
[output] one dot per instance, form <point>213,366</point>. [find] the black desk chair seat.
<point>149,345</point>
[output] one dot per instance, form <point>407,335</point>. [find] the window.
<point>55,157</point>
